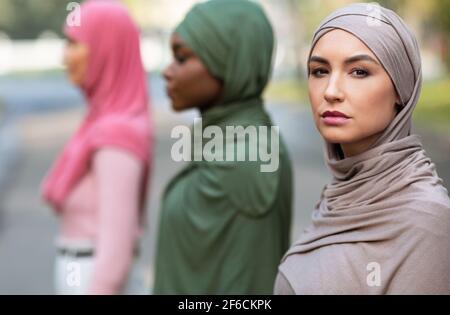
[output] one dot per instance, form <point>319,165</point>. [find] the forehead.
<point>339,44</point>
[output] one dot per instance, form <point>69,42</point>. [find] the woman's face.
<point>76,56</point>
<point>352,96</point>
<point>189,83</point>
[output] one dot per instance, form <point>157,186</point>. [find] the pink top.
<point>104,208</point>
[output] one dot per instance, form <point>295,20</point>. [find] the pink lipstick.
<point>334,118</point>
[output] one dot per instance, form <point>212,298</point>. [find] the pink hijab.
<point>117,97</point>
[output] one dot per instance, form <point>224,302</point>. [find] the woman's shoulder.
<point>429,213</point>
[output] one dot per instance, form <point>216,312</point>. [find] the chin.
<point>180,104</point>
<point>75,81</point>
<point>335,136</point>
<point>176,109</point>
<point>177,106</point>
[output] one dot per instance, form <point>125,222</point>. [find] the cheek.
<point>374,102</point>
<point>316,96</point>
<point>82,62</point>
<point>70,60</point>
<point>76,62</point>
<point>370,102</point>
<point>194,86</point>
<point>372,106</point>
<point>313,92</point>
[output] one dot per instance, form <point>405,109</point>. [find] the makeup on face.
<point>352,96</point>
<point>358,66</point>
<point>334,118</point>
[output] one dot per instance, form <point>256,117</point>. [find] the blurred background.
<point>39,110</point>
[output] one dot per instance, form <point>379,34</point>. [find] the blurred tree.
<point>442,23</point>
<point>27,19</point>
<point>442,11</point>
<point>396,5</point>
<point>429,18</point>
<point>313,11</point>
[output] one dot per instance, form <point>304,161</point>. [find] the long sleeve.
<point>118,177</point>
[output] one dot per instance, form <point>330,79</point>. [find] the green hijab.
<point>225,224</point>
<point>234,39</point>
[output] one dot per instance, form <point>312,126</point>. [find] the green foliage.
<point>396,5</point>
<point>26,19</point>
<point>434,105</point>
<point>442,12</point>
<point>290,91</point>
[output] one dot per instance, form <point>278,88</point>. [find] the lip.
<point>334,118</point>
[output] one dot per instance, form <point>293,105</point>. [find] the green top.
<point>225,225</point>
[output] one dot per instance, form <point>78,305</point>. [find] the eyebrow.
<point>361,58</point>
<point>347,61</point>
<point>181,46</point>
<point>177,46</point>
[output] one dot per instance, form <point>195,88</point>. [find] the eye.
<point>319,72</point>
<point>360,73</point>
<point>180,59</point>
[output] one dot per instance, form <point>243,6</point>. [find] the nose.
<point>65,57</point>
<point>334,93</point>
<point>168,73</point>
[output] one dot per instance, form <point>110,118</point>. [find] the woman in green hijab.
<point>225,224</point>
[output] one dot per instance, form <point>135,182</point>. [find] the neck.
<point>356,148</point>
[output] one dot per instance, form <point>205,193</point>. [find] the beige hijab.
<point>382,225</point>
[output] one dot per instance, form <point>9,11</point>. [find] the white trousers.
<point>73,274</point>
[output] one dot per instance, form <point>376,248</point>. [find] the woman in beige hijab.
<point>382,225</point>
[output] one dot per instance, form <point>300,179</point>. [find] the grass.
<point>433,109</point>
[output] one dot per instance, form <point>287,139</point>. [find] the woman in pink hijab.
<point>98,184</point>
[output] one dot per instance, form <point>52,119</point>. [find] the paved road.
<point>28,228</point>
